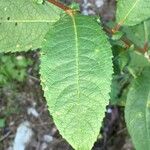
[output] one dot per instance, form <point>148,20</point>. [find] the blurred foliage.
<point>13,68</point>
<point>75,6</point>
<point>2,122</point>
<point>13,71</point>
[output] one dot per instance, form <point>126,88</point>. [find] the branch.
<point>124,39</point>
<point>110,31</point>
<point>67,9</point>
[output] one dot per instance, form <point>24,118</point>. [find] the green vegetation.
<point>13,69</point>
<point>77,64</point>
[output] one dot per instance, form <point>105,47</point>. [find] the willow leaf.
<point>132,12</point>
<point>24,23</point>
<point>137,111</point>
<point>76,70</point>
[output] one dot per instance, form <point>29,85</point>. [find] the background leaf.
<point>24,23</point>
<point>132,12</point>
<point>128,64</point>
<point>138,34</point>
<point>2,123</point>
<point>76,70</point>
<point>121,77</point>
<point>137,111</point>
<point>137,63</point>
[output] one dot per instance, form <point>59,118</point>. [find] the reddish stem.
<point>127,42</point>
<point>145,49</point>
<point>67,9</point>
<point>116,28</point>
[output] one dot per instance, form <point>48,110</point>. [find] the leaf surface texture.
<point>76,69</point>
<point>132,12</point>
<point>137,111</point>
<point>24,23</point>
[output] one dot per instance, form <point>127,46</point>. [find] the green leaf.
<point>137,111</point>
<point>119,89</point>
<point>117,35</point>
<point>137,63</point>
<point>24,23</point>
<point>132,12</point>
<point>75,6</point>
<point>76,68</point>
<point>2,122</point>
<point>139,34</point>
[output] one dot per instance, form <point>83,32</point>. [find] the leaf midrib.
<point>77,54</point>
<point>28,21</point>
<point>130,10</point>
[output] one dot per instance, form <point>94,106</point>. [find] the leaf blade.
<point>69,83</point>
<point>138,34</point>
<point>137,112</point>
<point>132,12</point>
<point>24,23</point>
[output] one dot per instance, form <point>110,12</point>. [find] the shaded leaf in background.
<point>130,64</point>
<point>137,111</point>
<point>76,69</point>
<point>132,12</point>
<point>121,78</point>
<point>119,89</point>
<point>120,58</point>
<point>24,23</point>
<point>139,34</point>
<point>137,63</point>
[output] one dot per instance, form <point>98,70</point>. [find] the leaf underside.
<point>132,12</point>
<point>24,23</point>
<point>76,69</point>
<point>137,111</point>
